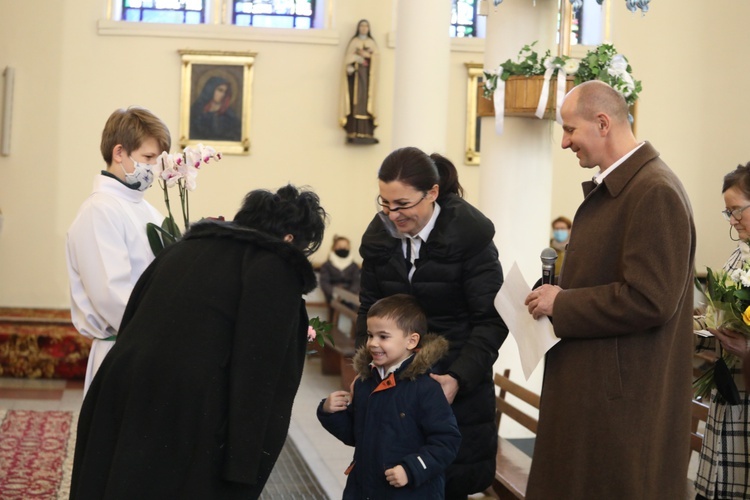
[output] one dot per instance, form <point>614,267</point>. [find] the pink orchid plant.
<point>181,170</point>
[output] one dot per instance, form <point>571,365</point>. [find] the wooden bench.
<point>337,357</point>
<point>512,465</point>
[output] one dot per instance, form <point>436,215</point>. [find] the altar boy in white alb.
<point>107,247</point>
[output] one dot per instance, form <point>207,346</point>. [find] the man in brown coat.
<point>614,420</point>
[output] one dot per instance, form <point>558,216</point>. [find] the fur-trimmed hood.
<point>432,347</point>
<point>208,228</point>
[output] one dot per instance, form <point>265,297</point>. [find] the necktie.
<point>411,255</point>
<point>409,261</point>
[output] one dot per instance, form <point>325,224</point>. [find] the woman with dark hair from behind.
<point>427,241</point>
<point>724,466</point>
<point>194,400</point>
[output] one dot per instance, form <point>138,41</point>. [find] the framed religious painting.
<point>215,99</point>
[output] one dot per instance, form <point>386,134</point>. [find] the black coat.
<point>402,420</point>
<point>457,277</point>
<point>194,399</point>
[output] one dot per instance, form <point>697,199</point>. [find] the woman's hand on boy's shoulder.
<point>337,401</point>
<point>448,384</point>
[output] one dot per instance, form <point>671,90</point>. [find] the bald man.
<point>614,420</point>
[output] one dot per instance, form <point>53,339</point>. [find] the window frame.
<point>220,13</point>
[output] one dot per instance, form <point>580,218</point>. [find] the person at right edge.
<point>724,466</point>
<point>454,272</point>
<point>614,420</point>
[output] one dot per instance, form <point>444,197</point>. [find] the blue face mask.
<point>560,235</point>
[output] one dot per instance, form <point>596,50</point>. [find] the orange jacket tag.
<point>386,383</point>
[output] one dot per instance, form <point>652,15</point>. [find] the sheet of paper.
<point>533,336</point>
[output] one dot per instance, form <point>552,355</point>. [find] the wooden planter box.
<point>522,97</point>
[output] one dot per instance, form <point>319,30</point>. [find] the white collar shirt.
<point>598,178</point>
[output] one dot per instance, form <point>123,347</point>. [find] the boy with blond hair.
<point>107,247</point>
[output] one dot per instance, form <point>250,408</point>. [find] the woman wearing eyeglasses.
<point>428,242</point>
<point>724,468</point>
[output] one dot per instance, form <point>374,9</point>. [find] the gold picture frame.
<point>475,77</point>
<point>215,99</point>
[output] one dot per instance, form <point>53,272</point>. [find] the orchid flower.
<point>190,175</point>
<point>181,170</point>
<point>192,156</point>
<point>206,153</point>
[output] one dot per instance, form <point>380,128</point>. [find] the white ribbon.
<point>499,99</point>
<point>561,81</point>
<point>544,96</point>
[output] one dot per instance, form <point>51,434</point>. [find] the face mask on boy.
<point>142,176</point>
<point>560,235</point>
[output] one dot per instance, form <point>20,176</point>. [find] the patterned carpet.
<point>36,460</point>
<point>36,454</point>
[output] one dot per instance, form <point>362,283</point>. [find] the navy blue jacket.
<point>402,420</point>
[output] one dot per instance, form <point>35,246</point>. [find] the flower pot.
<point>522,97</point>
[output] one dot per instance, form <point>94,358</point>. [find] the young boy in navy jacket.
<point>397,418</point>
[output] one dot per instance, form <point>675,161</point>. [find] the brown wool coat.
<point>615,410</point>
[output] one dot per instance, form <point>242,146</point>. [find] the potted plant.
<point>528,90</point>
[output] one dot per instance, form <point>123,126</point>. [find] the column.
<point>421,76</point>
<point>515,179</point>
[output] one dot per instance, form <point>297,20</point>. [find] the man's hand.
<point>397,476</point>
<point>449,386</point>
<point>541,300</point>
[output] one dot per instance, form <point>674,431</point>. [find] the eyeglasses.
<point>736,213</point>
<point>387,207</point>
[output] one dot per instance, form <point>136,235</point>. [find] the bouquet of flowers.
<point>728,306</point>
<point>318,331</point>
<point>179,170</point>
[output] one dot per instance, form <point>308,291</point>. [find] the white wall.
<point>69,78</point>
<point>693,108</point>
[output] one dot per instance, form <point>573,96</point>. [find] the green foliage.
<point>596,64</point>
<point>600,63</point>
<point>322,332</point>
<point>161,237</point>
<point>728,307</point>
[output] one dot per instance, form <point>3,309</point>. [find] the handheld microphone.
<point>549,256</point>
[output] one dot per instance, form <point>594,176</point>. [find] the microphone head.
<point>549,256</point>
